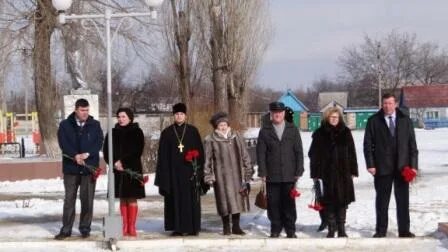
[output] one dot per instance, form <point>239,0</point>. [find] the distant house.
<point>331,99</point>
<point>428,105</point>
<point>332,104</point>
<point>300,110</point>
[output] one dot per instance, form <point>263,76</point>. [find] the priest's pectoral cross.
<point>181,147</point>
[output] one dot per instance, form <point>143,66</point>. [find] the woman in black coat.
<point>333,160</point>
<point>128,144</point>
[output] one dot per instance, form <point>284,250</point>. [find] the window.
<point>432,114</point>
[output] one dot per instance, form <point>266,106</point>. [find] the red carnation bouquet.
<point>294,192</point>
<point>192,157</point>
<point>95,171</point>
<point>408,174</point>
<point>316,203</point>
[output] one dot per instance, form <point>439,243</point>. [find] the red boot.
<point>132,219</point>
<point>124,217</point>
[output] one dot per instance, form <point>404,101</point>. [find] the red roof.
<point>432,96</point>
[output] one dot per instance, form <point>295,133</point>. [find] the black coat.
<point>74,140</point>
<point>174,179</point>
<point>128,144</point>
<point>279,160</point>
<point>333,159</point>
<point>377,144</point>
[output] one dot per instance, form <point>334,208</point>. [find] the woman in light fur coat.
<point>228,169</point>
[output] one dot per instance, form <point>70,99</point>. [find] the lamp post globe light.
<point>61,5</point>
<point>154,3</point>
<point>112,222</point>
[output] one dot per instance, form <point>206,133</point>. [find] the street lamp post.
<point>379,74</point>
<point>112,222</point>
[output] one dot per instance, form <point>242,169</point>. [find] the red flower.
<point>96,173</point>
<point>191,154</point>
<point>294,193</point>
<point>408,174</point>
<point>145,180</point>
<point>316,206</point>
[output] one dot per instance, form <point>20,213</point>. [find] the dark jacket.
<point>128,144</point>
<point>74,139</point>
<point>333,159</point>
<point>279,160</point>
<point>378,150</point>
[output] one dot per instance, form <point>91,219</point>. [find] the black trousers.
<point>383,188</point>
<point>281,207</point>
<point>86,194</point>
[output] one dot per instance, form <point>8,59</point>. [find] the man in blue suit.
<point>80,139</point>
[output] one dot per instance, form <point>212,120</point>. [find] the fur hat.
<point>218,118</point>
<point>179,107</point>
<point>277,106</point>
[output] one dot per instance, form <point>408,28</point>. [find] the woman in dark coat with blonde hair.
<point>128,144</point>
<point>333,160</point>
<point>228,169</point>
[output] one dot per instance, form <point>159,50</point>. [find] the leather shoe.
<point>85,235</point>
<point>275,235</point>
<point>61,236</point>
<point>379,235</point>
<point>292,235</point>
<point>406,235</point>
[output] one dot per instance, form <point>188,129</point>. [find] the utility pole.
<point>379,74</point>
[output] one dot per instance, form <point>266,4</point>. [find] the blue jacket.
<point>76,140</point>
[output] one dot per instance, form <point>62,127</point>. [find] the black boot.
<point>236,229</point>
<point>226,225</point>
<point>323,221</point>
<point>331,218</point>
<point>342,211</point>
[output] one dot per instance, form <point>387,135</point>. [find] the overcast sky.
<point>309,35</point>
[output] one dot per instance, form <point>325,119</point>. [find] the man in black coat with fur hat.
<point>280,164</point>
<point>390,146</point>
<point>175,176</point>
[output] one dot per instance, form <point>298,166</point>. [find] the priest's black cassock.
<point>173,177</point>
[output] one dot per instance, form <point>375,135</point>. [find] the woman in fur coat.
<point>333,160</point>
<point>128,144</point>
<point>228,169</point>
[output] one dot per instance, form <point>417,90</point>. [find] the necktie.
<point>391,126</point>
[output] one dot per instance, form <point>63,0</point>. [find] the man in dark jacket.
<point>80,139</point>
<point>280,164</point>
<point>389,146</point>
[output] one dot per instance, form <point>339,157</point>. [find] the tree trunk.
<point>182,36</point>
<point>237,105</point>
<point>218,79</point>
<point>45,88</point>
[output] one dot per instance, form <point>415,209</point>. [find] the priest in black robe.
<point>175,176</point>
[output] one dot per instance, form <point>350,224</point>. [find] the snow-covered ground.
<point>31,210</point>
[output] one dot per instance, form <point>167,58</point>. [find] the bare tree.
<point>45,88</point>
<point>177,34</point>
<point>392,61</point>
<point>237,40</point>
<point>431,64</point>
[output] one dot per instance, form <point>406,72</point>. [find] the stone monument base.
<point>69,102</point>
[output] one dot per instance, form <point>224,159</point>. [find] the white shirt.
<point>80,124</point>
<point>394,116</point>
